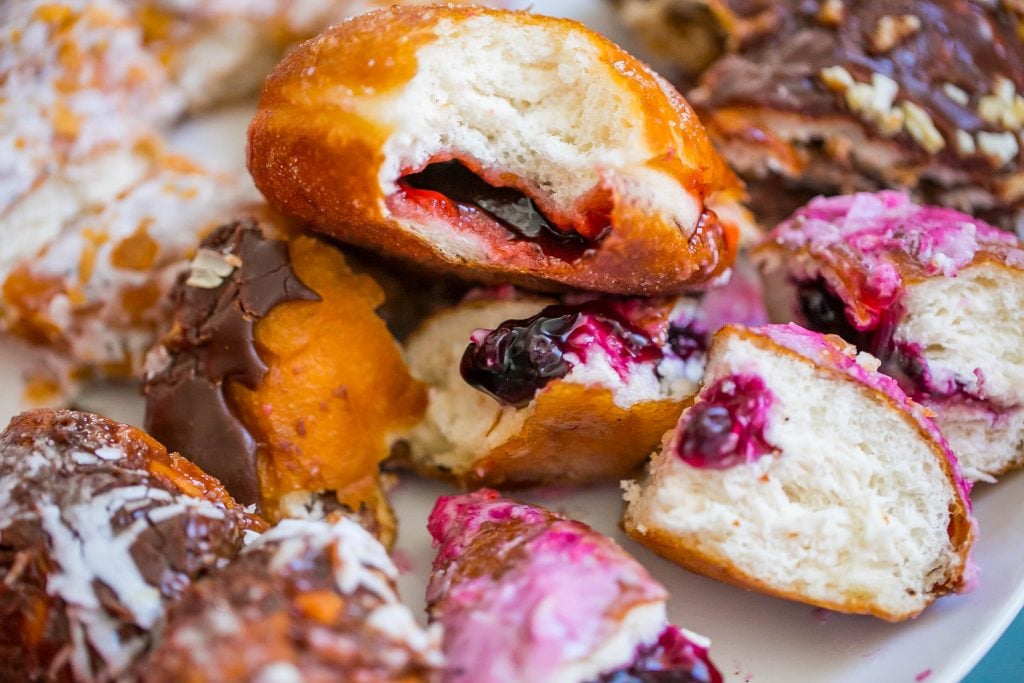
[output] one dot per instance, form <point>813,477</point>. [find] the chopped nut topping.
<point>1000,148</point>
<point>891,30</point>
<point>965,143</point>
<point>837,78</point>
<point>831,12</point>
<point>1004,107</point>
<point>921,127</point>
<point>956,94</point>
<point>209,268</point>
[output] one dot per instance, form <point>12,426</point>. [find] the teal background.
<point>1005,661</point>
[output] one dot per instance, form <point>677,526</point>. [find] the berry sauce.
<point>689,340</point>
<point>726,426</point>
<point>673,659</point>
<point>518,359</point>
<point>452,190</point>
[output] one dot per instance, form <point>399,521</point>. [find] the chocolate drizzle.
<point>212,343</point>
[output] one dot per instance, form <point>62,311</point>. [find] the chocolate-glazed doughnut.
<point>310,600</point>
<point>100,528</point>
<point>278,376</point>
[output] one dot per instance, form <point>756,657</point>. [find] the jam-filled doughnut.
<point>932,292</point>
<point>278,377</point>
<point>309,600</point>
<point>525,594</point>
<point>802,472</point>
<point>500,145</point>
<point>100,528</point>
<point>921,95</point>
<point>526,390</point>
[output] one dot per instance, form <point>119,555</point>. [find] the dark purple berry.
<point>726,426</point>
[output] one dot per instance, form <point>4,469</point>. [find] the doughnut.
<point>934,293</point>
<point>98,292</point>
<point>278,377</point>
<point>528,390</point>
<point>310,600</point>
<point>807,98</point>
<point>502,146</point>
<point>803,473</point>
<point>100,529</point>
<point>525,594</point>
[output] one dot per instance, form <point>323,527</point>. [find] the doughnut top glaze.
<point>877,242</point>
<point>309,600</point>
<point>101,529</point>
<point>238,277</point>
<point>523,592</point>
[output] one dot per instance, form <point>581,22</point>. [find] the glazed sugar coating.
<point>101,528</point>
<point>309,600</point>
<point>278,376</point>
<point>802,472</point>
<point>526,390</point>
<point>824,97</point>
<point>98,293</point>
<point>525,594</point>
<point>932,292</point>
<point>518,164</point>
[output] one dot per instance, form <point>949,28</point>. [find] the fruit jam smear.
<point>675,658</point>
<point>725,428</point>
<point>519,358</point>
<point>454,191</point>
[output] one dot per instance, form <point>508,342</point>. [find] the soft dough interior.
<point>855,509</point>
<point>538,106</point>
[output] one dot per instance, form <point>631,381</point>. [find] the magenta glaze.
<point>557,599</point>
<point>874,231</point>
<point>740,301</point>
<point>820,350</point>
<point>725,427</point>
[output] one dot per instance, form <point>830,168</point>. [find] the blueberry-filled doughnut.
<point>100,529</point>
<point>503,146</point>
<point>310,600</point>
<point>526,390</point>
<point>278,377</point>
<point>801,472</point>
<point>934,293</point>
<point>524,594</point>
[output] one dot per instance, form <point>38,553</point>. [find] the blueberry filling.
<point>673,659</point>
<point>445,183</point>
<point>726,426</point>
<point>689,340</point>
<point>519,358</point>
<point>824,311</point>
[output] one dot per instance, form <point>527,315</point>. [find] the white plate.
<point>755,638</point>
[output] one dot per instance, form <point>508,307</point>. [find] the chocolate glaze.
<point>52,465</point>
<point>212,343</point>
<point>967,44</point>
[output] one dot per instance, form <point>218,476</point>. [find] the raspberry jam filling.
<point>453,191</point>
<point>518,359</point>
<point>673,659</point>
<point>725,428</point>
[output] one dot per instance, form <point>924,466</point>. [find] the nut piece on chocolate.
<point>827,96</point>
<point>100,528</point>
<point>278,377</point>
<point>309,600</point>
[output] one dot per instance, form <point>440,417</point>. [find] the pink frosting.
<point>822,351</point>
<point>561,590</point>
<point>878,235</point>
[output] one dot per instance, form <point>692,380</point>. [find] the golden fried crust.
<point>336,388</point>
<point>576,434</point>
<point>691,554</point>
<point>315,151</point>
